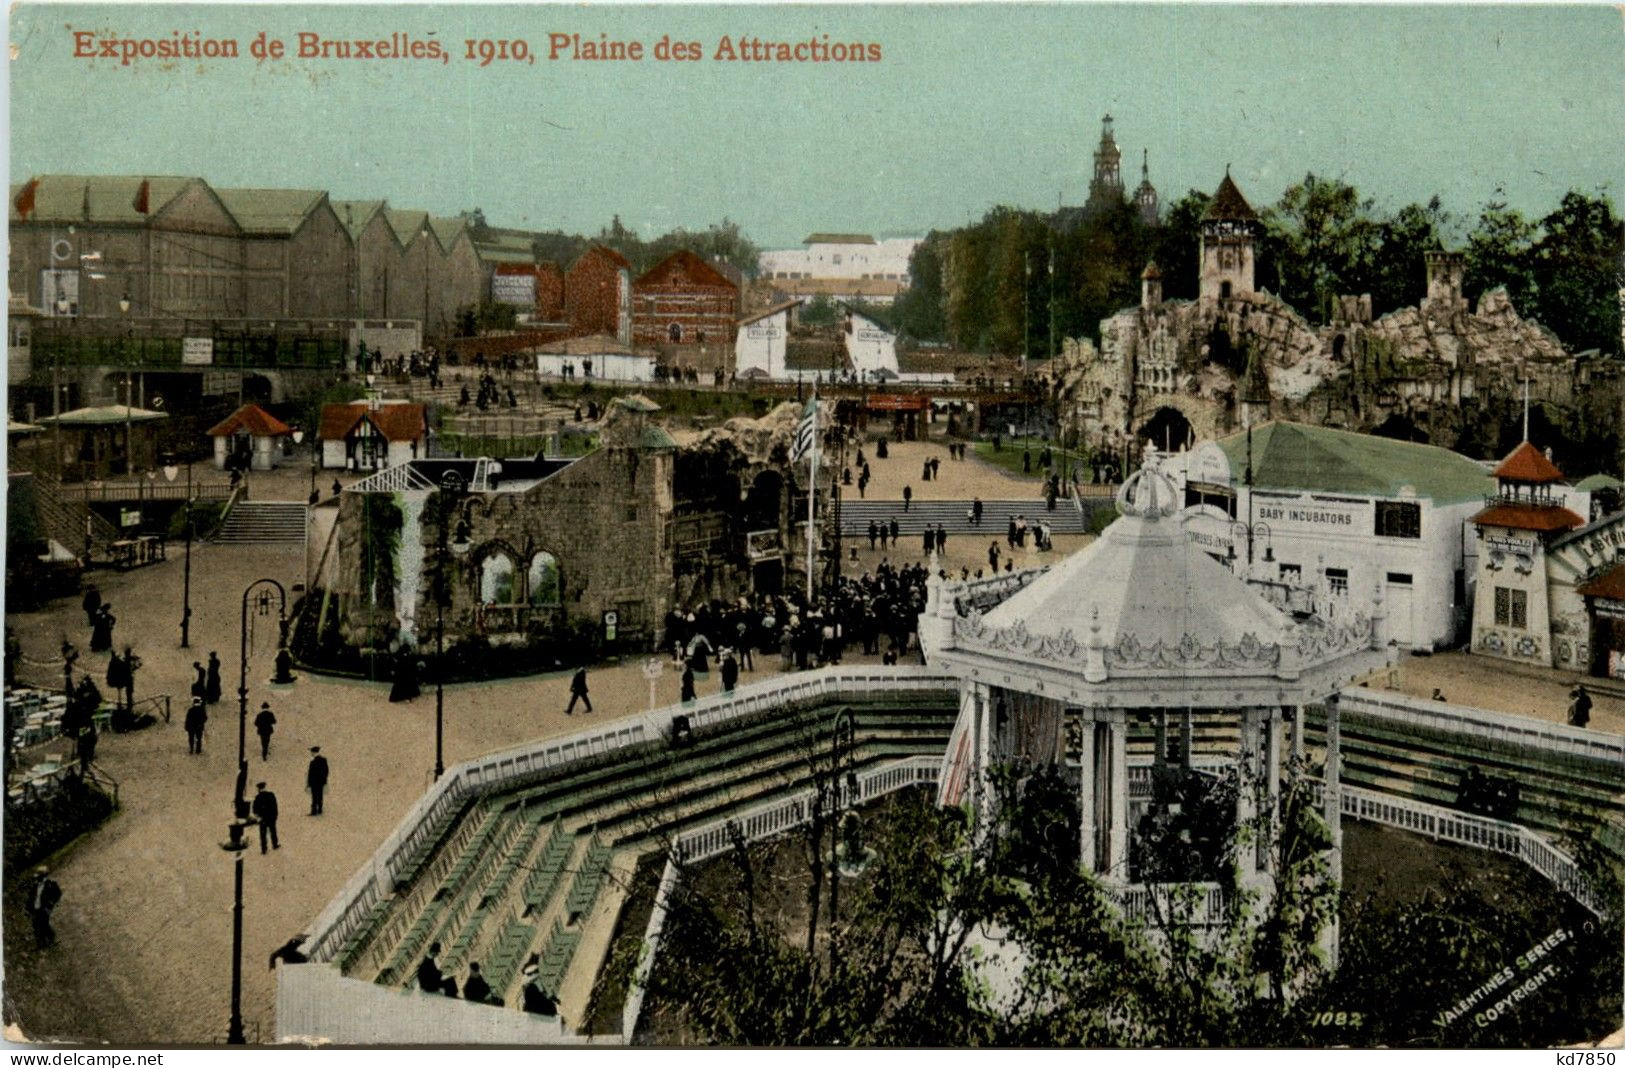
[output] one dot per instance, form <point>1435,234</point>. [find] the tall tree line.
<point>989,286</point>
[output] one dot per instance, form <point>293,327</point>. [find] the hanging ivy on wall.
<point>381,524</point>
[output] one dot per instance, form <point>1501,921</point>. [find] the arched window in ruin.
<point>675,333</point>
<point>542,580</point>
<point>497,579</point>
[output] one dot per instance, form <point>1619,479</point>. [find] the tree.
<point>1575,266</point>
<point>1322,239</point>
<point>919,308</point>
<point>1396,274</point>
<point>1498,253</point>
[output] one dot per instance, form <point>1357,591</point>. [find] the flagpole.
<point>812,497</point>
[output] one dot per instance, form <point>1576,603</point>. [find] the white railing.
<point>1481,832</point>
<point>1478,723</point>
<point>763,821</point>
<point>774,817</point>
<point>651,946</point>
<point>376,879</point>
<point>1208,906</point>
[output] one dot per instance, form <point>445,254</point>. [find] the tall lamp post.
<point>170,471</point>
<point>236,844</point>
<point>452,486</point>
<point>262,606</point>
<point>843,741</point>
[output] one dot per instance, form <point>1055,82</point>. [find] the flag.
<point>143,197</point>
<point>802,444</point>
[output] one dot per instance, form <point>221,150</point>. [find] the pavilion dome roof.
<point>1144,617</point>
<point>1143,584</point>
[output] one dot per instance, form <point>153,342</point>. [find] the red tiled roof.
<point>254,419</point>
<point>607,253</point>
<point>1528,464</point>
<point>1609,584</point>
<point>683,267</point>
<point>396,422</point>
<point>1544,518</point>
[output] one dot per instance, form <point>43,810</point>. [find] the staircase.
<point>1067,518</point>
<point>65,520</point>
<point>264,523</point>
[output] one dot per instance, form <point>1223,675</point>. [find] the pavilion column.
<point>1088,776</point>
<point>1162,738</point>
<point>1247,789</point>
<point>1187,737</point>
<point>1116,866</point>
<point>1272,777</point>
<point>1334,819</point>
<point>1334,782</point>
<point>1298,726</point>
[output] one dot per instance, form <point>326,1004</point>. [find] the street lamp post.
<point>452,485</point>
<point>170,471</point>
<point>843,739</point>
<point>236,844</point>
<point>262,604</point>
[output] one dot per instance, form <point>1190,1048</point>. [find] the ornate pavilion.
<point>1141,628</point>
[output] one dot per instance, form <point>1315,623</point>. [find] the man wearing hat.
<point>316,779</point>
<point>264,724</point>
<point>264,809</point>
<point>43,894</point>
<point>197,717</point>
<point>535,998</point>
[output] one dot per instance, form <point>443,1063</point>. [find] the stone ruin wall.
<point>1423,363</point>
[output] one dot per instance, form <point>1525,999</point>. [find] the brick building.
<point>598,294</point>
<point>683,300</point>
<point>549,291</point>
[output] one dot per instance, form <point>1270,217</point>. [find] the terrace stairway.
<point>264,523</point>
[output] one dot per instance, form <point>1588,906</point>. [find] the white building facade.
<point>1330,514</point>
<point>852,256</point>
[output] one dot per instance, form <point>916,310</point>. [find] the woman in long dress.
<point>101,632</point>
<point>211,682</point>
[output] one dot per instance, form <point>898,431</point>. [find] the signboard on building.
<point>1320,514</point>
<point>197,351</point>
<point>516,289</point>
<point>129,517</point>
<point>766,331</point>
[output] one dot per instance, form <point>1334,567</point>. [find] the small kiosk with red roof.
<point>369,435</point>
<point>1516,529</point>
<point>250,433</point>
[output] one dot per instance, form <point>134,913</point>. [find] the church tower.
<point>1145,197</point>
<point>1228,244</point>
<point>1106,189</point>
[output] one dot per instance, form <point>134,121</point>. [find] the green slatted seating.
<point>589,877</point>
<point>544,878</point>
<point>561,949</point>
<point>507,955</point>
<point>357,943</point>
<point>726,761</point>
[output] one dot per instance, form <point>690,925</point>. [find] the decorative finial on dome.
<point>1148,493</point>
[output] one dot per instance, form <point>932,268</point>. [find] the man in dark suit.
<point>578,692</point>
<point>264,724</point>
<point>43,895</point>
<point>429,978</point>
<point>316,779</point>
<point>264,809</point>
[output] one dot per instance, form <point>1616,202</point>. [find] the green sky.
<point>969,106</point>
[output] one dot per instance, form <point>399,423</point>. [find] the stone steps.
<point>264,523</point>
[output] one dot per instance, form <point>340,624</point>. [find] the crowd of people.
<point>875,609</point>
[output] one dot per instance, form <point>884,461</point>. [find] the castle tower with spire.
<point>1145,197</point>
<point>1106,188</point>
<point>1229,240</point>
